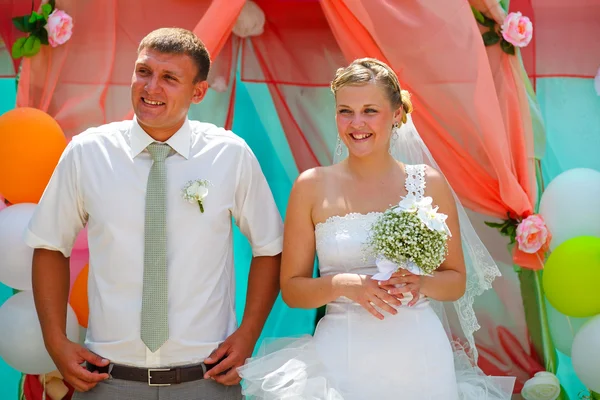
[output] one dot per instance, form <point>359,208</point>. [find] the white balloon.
<point>21,342</point>
<point>82,335</point>
<point>563,328</point>
<point>585,354</point>
<point>570,205</point>
<point>16,256</point>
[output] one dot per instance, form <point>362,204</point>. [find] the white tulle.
<point>355,356</point>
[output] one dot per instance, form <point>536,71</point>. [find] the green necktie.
<point>155,325</point>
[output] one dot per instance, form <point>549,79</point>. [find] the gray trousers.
<point>117,389</point>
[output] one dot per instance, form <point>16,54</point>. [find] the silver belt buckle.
<point>150,370</point>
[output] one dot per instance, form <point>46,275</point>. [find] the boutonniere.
<point>195,192</point>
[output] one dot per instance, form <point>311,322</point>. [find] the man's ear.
<point>200,90</point>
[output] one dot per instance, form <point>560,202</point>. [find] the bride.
<point>409,337</point>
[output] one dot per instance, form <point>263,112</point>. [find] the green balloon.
<point>572,277</point>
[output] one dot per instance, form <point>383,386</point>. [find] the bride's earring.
<point>338,147</point>
<point>394,136</point>
<point>395,131</point>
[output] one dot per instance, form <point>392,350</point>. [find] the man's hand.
<point>230,355</point>
<point>68,357</point>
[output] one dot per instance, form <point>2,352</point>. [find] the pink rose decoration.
<point>533,234</point>
<point>517,29</point>
<point>59,27</point>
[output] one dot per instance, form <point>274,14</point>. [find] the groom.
<point>158,194</point>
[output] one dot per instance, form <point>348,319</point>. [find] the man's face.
<point>163,88</point>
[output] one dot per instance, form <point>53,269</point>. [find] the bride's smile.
<point>364,119</point>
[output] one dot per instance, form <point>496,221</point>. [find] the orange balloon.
<point>31,143</point>
<point>79,297</point>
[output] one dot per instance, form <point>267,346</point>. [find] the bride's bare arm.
<point>298,287</point>
<point>449,280</point>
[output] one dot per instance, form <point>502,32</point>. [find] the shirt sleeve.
<point>60,214</point>
<point>255,211</point>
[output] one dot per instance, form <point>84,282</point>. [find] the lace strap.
<point>415,180</point>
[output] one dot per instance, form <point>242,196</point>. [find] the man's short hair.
<point>179,41</point>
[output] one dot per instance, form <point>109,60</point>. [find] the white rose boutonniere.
<point>195,192</point>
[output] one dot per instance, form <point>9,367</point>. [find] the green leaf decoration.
<point>52,4</point>
<point>478,15</point>
<point>43,35</point>
<point>46,10</point>
<point>494,224</point>
<point>22,23</point>
<point>17,49</point>
<point>35,17</point>
<point>508,228</point>
<point>507,47</point>
<point>490,38</point>
<point>490,23</point>
<point>32,46</point>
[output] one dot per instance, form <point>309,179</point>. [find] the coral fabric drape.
<point>85,82</point>
<point>296,56</point>
<point>9,34</point>
<point>437,51</point>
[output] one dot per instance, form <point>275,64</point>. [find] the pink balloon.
<point>81,242</point>
<point>79,259</point>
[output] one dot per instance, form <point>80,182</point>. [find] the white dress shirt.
<point>101,180</point>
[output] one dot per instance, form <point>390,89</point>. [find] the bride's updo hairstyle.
<point>367,70</point>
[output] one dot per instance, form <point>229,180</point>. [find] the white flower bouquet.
<point>412,236</point>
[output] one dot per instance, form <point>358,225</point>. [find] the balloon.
<point>569,205</point>
<point>563,328</point>
<point>79,298</point>
<point>572,277</point>
<point>78,260</point>
<point>82,335</point>
<point>2,203</point>
<point>81,242</point>
<point>585,354</point>
<point>21,342</point>
<point>32,143</point>
<point>16,256</point>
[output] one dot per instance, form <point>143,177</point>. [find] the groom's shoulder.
<point>99,133</point>
<point>212,133</point>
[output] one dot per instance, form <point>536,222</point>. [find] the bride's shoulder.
<point>311,183</point>
<point>316,176</point>
<point>432,174</point>
<point>436,184</point>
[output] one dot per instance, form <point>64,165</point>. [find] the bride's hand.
<point>402,282</point>
<point>368,293</point>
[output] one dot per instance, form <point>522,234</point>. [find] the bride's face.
<point>364,118</point>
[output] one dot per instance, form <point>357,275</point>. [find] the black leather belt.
<point>154,376</point>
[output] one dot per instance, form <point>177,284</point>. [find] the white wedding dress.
<point>355,356</point>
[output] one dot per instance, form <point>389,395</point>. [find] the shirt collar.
<point>180,141</point>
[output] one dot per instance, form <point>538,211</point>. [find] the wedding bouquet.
<point>412,236</point>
